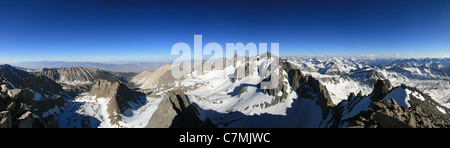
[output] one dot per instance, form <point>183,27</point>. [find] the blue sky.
<point>89,30</point>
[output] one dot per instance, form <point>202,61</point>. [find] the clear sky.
<point>94,30</point>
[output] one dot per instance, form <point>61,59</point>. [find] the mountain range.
<point>329,92</point>
<point>135,67</point>
<point>345,75</point>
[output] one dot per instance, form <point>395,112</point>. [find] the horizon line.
<point>284,56</point>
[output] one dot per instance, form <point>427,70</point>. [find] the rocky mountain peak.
<point>380,90</point>
<point>176,111</point>
<point>399,107</point>
<point>104,88</point>
<point>389,114</point>
<point>119,97</point>
<point>304,84</point>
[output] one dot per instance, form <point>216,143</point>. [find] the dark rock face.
<point>281,87</point>
<point>175,111</point>
<point>380,90</point>
<point>295,76</point>
<point>307,85</point>
<point>321,91</point>
<point>43,84</point>
<point>24,95</point>
<point>10,75</point>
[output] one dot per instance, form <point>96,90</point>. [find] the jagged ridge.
<point>29,101</point>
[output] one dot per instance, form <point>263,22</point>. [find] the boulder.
<point>418,110</point>
<point>3,88</point>
<point>395,104</point>
<point>372,126</point>
<point>5,119</point>
<point>387,121</point>
<point>426,122</point>
<point>26,120</point>
<point>376,106</point>
<point>412,122</point>
<point>11,106</point>
<point>14,93</point>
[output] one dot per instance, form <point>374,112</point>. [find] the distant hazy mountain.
<point>126,67</point>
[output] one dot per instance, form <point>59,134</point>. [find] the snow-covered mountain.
<point>108,104</point>
<point>37,99</point>
<point>310,92</point>
<point>221,98</point>
<point>399,107</point>
<point>306,102</point>
<point>345,75</point>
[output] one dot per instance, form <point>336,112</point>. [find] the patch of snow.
<point>8,82</point>
<point>280,93</point>
<point>12,71</point>
<point>355,108</point>
<point>413,70</point>
<point>416,95</point>
<point>221,95</point>
<point>341,90</point>
<point>425,74</point>
<point>142,115</point>
<point>91,111</point>
<point>54,111</point>
<point>96,107</point>
<point>441,110</point>
<point>75,82</point>
<point>303,113</point>
<point>35,116</point>
<point>38,97</point>
<point>400,95</point>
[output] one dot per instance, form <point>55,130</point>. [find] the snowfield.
<point>400,95</point>
<point>345,75</point>
<point>222,95</point>
<point>230,102</point>
<point>90,111</point>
